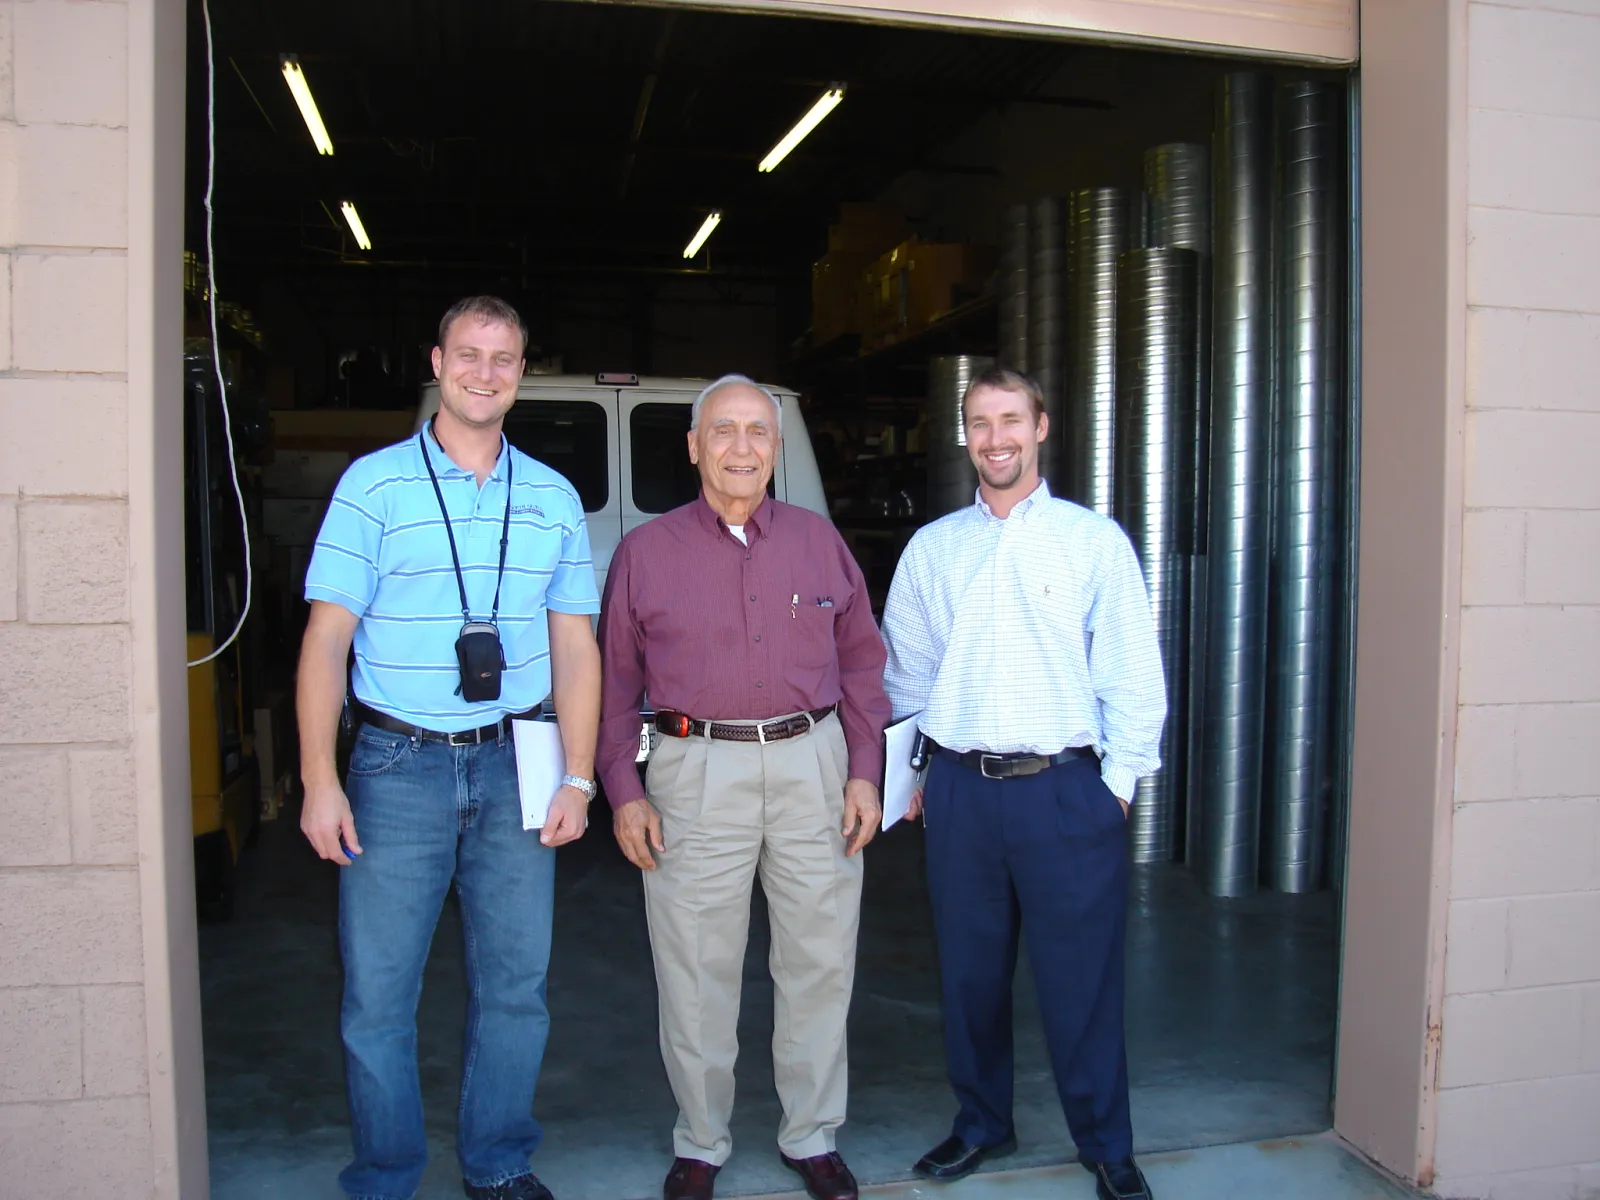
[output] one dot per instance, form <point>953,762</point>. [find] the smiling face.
<point>735,445</point>
<point>478,368</point>
<point>1003,438</point>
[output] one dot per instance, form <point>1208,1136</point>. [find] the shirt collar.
<point>1023,508</point>
<point>754,525</point>
<point>446,466</point>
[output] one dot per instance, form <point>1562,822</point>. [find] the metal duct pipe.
<point>1098,229</point>
<point>1012,287</point>
<point>1311,386</point>
<point>1177,192</point>
<point>1237,544</point>
<point>1047,320</point>
<point>1155,491</point>
<point>951,477</point>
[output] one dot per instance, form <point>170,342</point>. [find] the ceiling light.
<point>353,219</point>
<point>301,90</point>
<point>699,239</point>
<point>825,105</point>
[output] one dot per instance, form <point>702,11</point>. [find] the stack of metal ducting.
<point>1156,302</point>
<point>1177,195</point>
<point>1231,722</point>
<point>1098,230</point>
<point>1047,318</point>
<point>1311,363</point>
<point>1012,288</point>
<point>951,478</point>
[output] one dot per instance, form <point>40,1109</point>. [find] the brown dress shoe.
<point>689,1179</point>
<point>825,1175</point>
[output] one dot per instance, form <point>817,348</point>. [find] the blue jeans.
<point>428,814</point>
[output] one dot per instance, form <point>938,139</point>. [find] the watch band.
<point>588,787</point>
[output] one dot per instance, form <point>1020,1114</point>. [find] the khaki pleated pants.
<point>729,810</point>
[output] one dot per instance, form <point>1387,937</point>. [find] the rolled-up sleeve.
<point>622,673</point>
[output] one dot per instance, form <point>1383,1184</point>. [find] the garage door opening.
<point>1163,240</point>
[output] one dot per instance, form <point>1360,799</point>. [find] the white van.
<point>619,439</point>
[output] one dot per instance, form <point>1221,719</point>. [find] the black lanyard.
<point>505,529</point>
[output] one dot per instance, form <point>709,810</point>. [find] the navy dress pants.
<point>1046,854</point>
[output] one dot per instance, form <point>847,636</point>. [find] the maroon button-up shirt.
<point>722,631</point>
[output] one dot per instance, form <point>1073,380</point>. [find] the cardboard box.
<point>944,276</point>
<point>887,291</point>
<point>836,295</point>
<point>304,474</point>
<point>868,229</point>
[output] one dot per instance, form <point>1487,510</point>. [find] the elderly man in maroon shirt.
<point>748,623</point>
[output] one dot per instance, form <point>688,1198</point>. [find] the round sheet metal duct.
<point>1047,321</point>
<point>1233,700</point>
<point>1177,192</point>
<point>1310,409</point>
<point>1012,285</point>
<point>1155,492</point>
<point>951,477</point>
<point>1098,230</point>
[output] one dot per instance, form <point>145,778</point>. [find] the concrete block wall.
<point>1520,1070</point>
<point>74,1084</point>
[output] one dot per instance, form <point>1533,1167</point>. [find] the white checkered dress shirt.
<point>1028,634</point>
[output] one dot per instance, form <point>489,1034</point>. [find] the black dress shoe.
<point>1121,1180</point>
<point>825,1175</point>
<point>523,1187</point>
<point>955,1158</point>
<point>689,1179</point>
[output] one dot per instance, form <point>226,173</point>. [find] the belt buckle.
<point>464,737</point>
<point>761,734</point>
<point>983,765</point>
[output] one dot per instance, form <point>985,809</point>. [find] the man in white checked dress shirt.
<point>1020,629</point>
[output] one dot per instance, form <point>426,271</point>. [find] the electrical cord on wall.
<point>216,346</point>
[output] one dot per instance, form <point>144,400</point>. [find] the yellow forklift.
<point>224,783</point>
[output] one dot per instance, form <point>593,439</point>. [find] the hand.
<point>1124,804</point>
<point>862,813</point>
<point>638,828</point>
<point>567,819</point>
<point>914,809</point>
<point>326,820</point>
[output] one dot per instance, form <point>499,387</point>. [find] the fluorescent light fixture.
<point>301,90</point>
<point>353,219</point>
<point>828,102</point>
<point>699,239</point>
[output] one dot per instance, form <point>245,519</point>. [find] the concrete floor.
<point>1230,1018</point>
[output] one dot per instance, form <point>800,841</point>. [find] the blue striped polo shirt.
<point>383,554</point>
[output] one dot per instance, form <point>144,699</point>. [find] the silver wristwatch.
<point>588,787</point>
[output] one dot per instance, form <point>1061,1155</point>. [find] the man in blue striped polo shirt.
<point>451,534</point>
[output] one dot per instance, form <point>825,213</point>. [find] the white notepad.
<point>541,762</point>
<point>899,780</point>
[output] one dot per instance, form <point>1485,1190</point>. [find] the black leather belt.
<point>465,737</point>
<point>676,724</point>
<point>1014,766</point>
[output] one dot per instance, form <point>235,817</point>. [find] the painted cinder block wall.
<point>1519,1103</point>
<point>74,1109</point>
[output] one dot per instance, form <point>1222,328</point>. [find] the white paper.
<point>541,762</point>
<point>899,780</point>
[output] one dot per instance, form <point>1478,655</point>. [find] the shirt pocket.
<point>811,636</point>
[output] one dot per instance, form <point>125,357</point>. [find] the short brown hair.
<point>489,310</point>
<point>1004,379</point>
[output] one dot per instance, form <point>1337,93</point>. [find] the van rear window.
<point>568,436</point>
<point>663,476</point>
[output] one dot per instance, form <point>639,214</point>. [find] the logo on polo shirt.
<point>527,508</point>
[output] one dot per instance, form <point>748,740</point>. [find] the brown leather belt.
<point>676,724</point>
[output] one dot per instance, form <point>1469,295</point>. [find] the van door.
<point>574,431</point>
